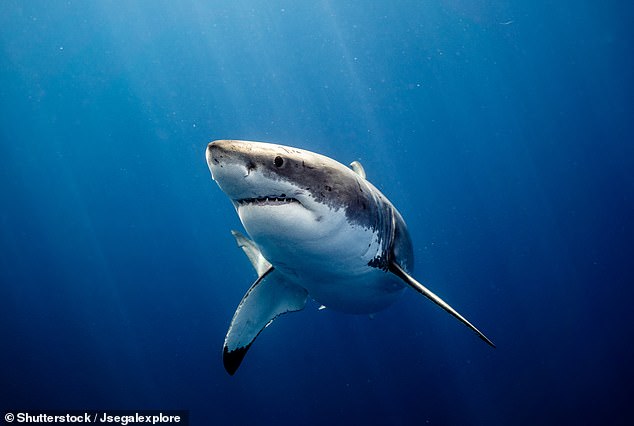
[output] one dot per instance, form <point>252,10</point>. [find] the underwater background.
<point>502,131</point>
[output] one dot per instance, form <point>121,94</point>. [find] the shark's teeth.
<point>266,201</point>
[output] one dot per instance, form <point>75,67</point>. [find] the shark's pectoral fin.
<point>258,261</point>
<point>269,297</point>
<point>400,272</point>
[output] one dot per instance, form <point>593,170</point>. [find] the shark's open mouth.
<point>267,201</point>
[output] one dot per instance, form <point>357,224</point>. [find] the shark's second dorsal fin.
<point>358,168</point>
<point>258,261</point>
<point>396,269</point>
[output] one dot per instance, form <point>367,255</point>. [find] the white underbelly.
<point>371,291</point>
<point>328,256</point>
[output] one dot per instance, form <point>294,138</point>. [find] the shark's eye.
<point>279,161</point>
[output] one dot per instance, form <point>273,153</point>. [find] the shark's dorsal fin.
<point>269,297</point>
<point>396,269</point>
<point>358,168</point>
<point>258,261</point>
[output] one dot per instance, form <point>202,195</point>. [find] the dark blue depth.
<point>502,131</point>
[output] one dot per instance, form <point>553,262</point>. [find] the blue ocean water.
<point>503,132</point>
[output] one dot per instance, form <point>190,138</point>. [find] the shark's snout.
<point>223,152</point>
<point>232,163</point>
<point>219,154</point>
<point>216,152</point>
<point>208,153</point>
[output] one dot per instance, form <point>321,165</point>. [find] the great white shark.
<point>317,229</point>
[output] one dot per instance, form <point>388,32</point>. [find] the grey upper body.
<point>317,228</point>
